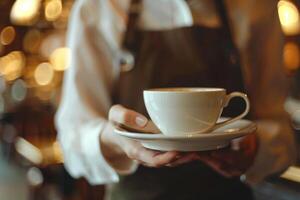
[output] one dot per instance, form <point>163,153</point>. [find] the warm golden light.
<point>28,151</point>
<point>60,58</point>
<point>291,55</point>
<point>24,12</point>
<point>44,73</point>
<point>57,152</point>
<point>7,35</point>
<point>292,174</point>
<point>51,42</point>
<point>53,10</point>
<point>11,65</point>
<point>289,17</point>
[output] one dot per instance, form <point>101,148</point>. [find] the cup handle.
<point>226,102</point>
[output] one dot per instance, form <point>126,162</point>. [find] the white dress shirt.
<point>95,31</point>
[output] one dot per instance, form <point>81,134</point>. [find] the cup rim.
<point>184,90</point>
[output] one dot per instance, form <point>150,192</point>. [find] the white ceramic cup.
<point>184,111</point>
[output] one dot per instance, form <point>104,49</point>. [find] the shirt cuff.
<point>101,172</point>
<point>82,152</point>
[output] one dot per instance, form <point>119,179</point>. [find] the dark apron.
<point>182,57</point>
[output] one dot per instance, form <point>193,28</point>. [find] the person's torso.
<point>185,57</point>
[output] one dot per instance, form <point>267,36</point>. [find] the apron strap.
<point>231,49</point>
<point>130,35</point>
<point>223,14</point>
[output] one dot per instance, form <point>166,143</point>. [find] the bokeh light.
<point>60,58</point>
<point>25,12</point>
<point>11,65</point>
<point>44,73</point>
<point>51,42</point>
<point>7,35</point>
<point>291,55</point>
<point>53,10</point>
<point>28,151</point>
<point>61,22</point>
<point>19,90</point>
<point>35,176</point>
<point>289,17</point>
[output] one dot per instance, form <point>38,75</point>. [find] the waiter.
<point>119,48</point>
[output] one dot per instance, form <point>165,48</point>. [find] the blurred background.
<point>33,58</point>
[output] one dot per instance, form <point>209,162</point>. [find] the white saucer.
<point>217,139</point>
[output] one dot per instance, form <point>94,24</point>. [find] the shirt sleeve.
<point>268,87</point>
<point>86,94</point>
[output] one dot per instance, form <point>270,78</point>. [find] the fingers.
<point>163,159</point>
<point>133,149</point>
<point>226,163</point>
<point>151,158</point>
<point>121,115</point>
<point>183,159</point>
<point>250,145</point>
<point>215,164</point>
<point>154,159</point>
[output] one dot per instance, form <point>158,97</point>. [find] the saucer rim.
<point>251,127</point>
